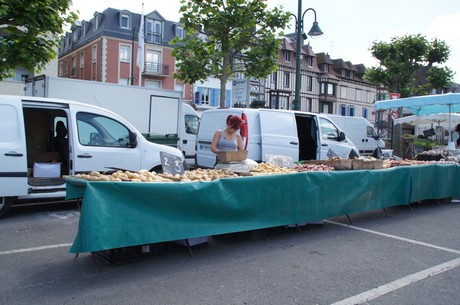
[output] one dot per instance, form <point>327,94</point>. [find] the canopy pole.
<point>450,144</point>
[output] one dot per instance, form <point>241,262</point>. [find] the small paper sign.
<point>283,161</point>
<point>171,164</point>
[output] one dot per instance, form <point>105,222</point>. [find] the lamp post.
<point>314,31</point>
<point>132,52</point>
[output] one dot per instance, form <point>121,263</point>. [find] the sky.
<point>350,27</point>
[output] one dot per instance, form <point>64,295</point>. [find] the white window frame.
<point>180,88</point>
<point>127,17</point>
<point>123,81</point>
<point>287,56</point>
<point>180,31</point>
<point>124,52</point>
<point>205,96</point>
<point>309,83</point>
<point>82,59</point>
<point>94,53</point>
<point>286,79</point>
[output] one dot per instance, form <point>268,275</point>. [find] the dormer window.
<point>310,61</point>
<point>325,68</point>
<point>84,28</point>
<point>180,31</point>
<point>97,20</point>
<point>125,21</point>
<point>75,35</point>
<point>153,31</point>
<point>287,56</point>
<point>344,72</point>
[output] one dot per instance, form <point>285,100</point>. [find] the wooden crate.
<point>342,164</point>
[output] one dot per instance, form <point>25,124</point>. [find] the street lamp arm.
<point>295,17</point>
<point>303,15</point>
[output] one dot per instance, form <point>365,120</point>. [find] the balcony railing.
<point>154,68</point>
<point>153,37</point>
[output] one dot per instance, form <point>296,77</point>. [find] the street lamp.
<point>133,37</point>
<point>314,31</point>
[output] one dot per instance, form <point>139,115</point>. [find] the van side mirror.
<point>341,136</point>
<point>132,139</point>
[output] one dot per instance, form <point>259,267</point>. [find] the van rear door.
<point>279,133</point>
<point>13,155</point>
<point>210,122</point>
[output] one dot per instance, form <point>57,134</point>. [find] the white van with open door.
<point>299,135</point>
<point>42,140</point>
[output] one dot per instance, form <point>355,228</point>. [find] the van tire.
<point>5,205</point>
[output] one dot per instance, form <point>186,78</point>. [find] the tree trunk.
<point>224,79</point>
<point>223,95</point>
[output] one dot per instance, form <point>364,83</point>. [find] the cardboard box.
<point>230,156</point>
<point>47,170</point>
<point>342,164</point>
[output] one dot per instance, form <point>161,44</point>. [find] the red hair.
<point>234,121</point>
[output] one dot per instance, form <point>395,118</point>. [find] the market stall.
<point>426,104</point>
<point>122,214</point>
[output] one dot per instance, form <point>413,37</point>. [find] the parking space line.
<point>402,282</point>
<point>35,249</point>
<point>412,241</point>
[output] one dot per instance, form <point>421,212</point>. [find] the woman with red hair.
<point>228,139</point>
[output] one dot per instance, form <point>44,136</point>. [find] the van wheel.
<point>5,205</point>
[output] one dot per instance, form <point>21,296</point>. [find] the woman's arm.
<point>239,142</point>
<point>215,140</point>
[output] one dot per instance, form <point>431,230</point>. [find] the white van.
<point>361,132</point>
<point>33,159</point>
<point>296,134</point>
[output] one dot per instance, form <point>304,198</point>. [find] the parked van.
<point>296,134</point>
<point>43,139</point>
<point>361,132</point>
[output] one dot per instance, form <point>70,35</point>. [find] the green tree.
<point>30,32</point>
<point>408,65</point>
<point>226,37</point>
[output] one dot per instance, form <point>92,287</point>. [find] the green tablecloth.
<point>121,214</point>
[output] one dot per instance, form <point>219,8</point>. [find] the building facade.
<point>105,49</point>
<point>331,86</point>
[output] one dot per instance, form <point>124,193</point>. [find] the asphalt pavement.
<point>406,255</point>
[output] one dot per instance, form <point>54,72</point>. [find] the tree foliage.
<point>408,65</point>
<point>30,31</point>
<point>226,37</point>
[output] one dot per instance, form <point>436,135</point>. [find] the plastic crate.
<point>126,255</point>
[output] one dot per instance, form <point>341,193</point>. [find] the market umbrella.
<point>428,119</point>
<point>426,104</point>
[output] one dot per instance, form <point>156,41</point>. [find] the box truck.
<point>42,140</point>
<point>361,132</point>
<point>295,134</point>
<point>158,114</point>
